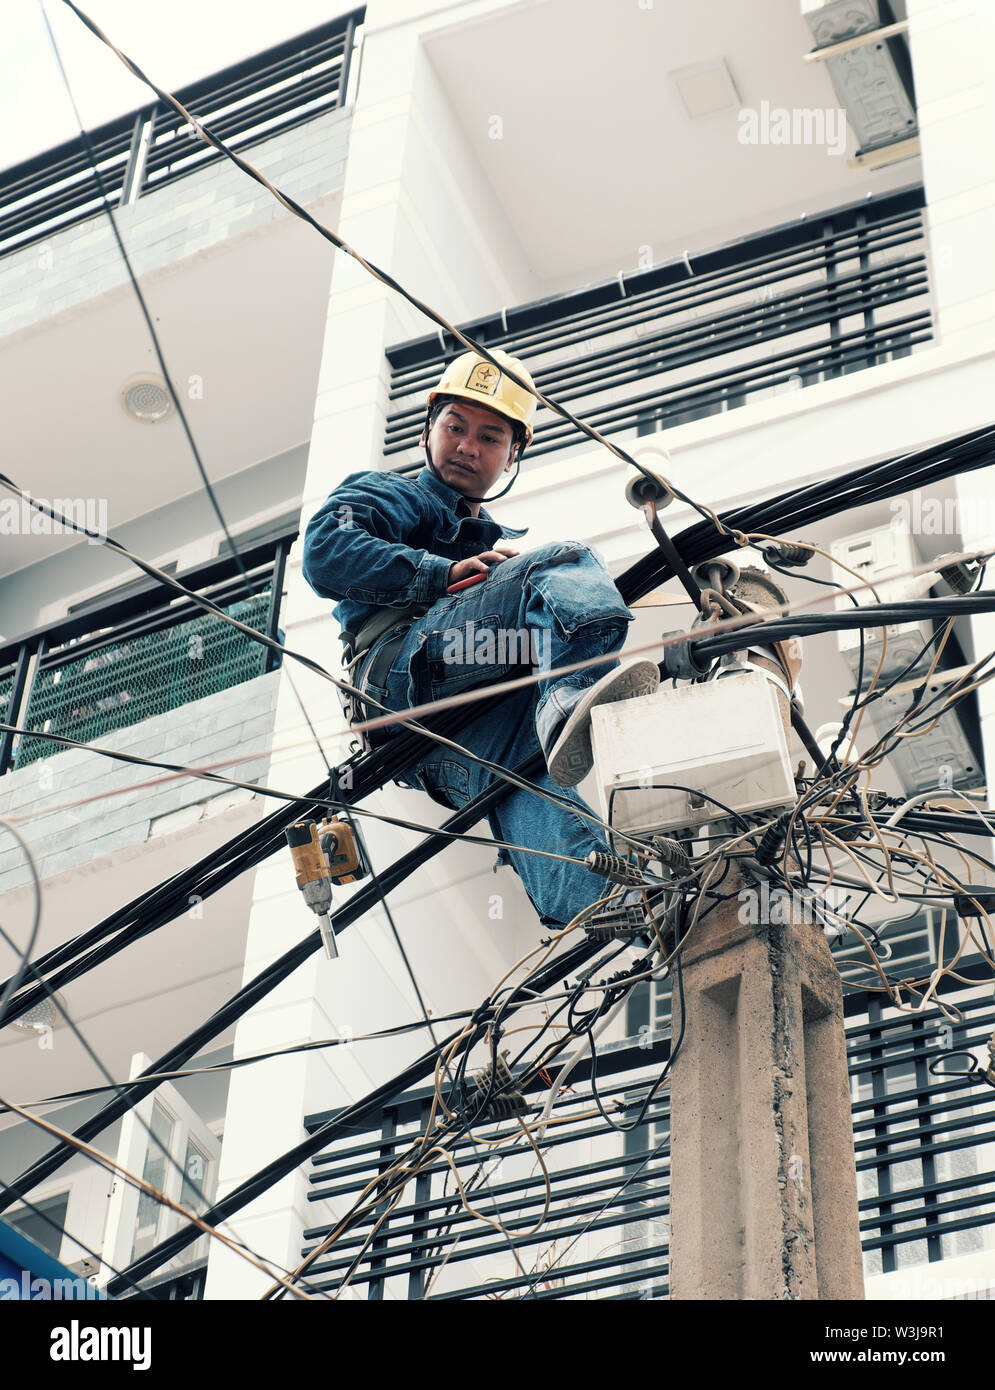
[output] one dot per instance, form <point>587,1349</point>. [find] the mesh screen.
<point>6,686</point>
<point>127,681</point>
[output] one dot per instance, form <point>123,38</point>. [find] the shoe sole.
<point>572,757</point>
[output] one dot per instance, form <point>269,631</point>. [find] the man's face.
<point>471,447</point>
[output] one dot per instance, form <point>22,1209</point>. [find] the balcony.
<point>266,95</point>
<point>798,304</point>
<point>116,664</point>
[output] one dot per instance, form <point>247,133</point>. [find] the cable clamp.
<point>497,1076</point>
<point>199,131</point>
<point>712,601</point>
<point>613,867</point>
<point>680,662</point>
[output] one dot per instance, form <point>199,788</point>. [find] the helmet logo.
<point>484,378</point>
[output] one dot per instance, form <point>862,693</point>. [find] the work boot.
<point>571,757</point>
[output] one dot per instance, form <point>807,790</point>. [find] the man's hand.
<point>478,564</point>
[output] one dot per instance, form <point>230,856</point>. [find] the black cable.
<point>91,26</point>
<point>24,966</point>
<point>386,279</point>
<point>99,1259</point>
<point>519,1082</point>
<point>638,580</point>
<point>884,687</point>
<point>336,794</point>
<point>14,981</point>
<point>174,394</point>
<point>544,1274</point>
<point>675,1050</point>
<point>428,729</point>
<point>255,989</point>
<point>260,789</point>
<point>235,1063</point>
<point>949,695</point>
<point>158,906</point>
<point>248,1190</point>
<point>768,631</point>
<point>820,767</point>
<point>631,578</point>
<point>796,508</point>
<point>361,1208</point>
<point>118,1089</point>
<point>675,787</point>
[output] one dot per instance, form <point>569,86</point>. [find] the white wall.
<point>414,203</point>
<point>953,56</point>
<point>202,210</point>
<point>397,209</point>
<point>186,531</point>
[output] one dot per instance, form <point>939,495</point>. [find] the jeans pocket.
<point>445,781</point>
<point>472,653</point>
<point>375,692</point>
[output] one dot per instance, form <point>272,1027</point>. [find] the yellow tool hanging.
<point>325,854</point>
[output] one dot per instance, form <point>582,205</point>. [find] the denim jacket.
<point>382,540</point>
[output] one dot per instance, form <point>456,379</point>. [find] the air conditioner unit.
<point>940,761</point>
<point>877,557</point>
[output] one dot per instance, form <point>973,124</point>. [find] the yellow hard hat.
<point>473,378</point>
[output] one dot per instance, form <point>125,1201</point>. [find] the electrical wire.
<point>118,1169</point>
<point>716,521</point>
<point>260,789</point>
<point>97,1259</point>
<point>171,1161</point>
<point>251,992</point>
<point>382,276</point>
<point>72,6</point>
<point>14,980</point>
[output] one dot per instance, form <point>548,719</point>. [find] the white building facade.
<point>716,250</point>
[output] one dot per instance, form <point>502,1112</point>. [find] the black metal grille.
<point>796,305</point>
<point>251,101</point>
<point>914,1131</point>
<point>114,664</point>
<point>136,672</point>
<point>186,1287</point>
<point>927,1181</point>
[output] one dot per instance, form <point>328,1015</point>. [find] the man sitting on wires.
<point>432,606</point>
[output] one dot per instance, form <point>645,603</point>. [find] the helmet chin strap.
<point>435,472</point>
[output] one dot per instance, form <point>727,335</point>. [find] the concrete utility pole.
<point>763,1181</point>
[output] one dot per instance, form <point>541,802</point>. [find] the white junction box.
<point>655,755</point>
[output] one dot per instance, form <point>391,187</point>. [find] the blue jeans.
<point>552,607</point>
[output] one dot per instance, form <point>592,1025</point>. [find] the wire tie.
<point>199,131</point>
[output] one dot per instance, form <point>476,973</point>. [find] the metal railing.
<point>795,305</point>
<point>186,1287</point>
<point>137,656</point>
<point>254,100</point>
<point>924,1143</point>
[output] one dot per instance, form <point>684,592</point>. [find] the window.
<point>45,1224</point>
